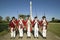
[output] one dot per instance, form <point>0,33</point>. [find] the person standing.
<point>36,27</point>
<point>12,27</point>
<point>29,27</point>
<point>20,28</point>
<point>44,24</point>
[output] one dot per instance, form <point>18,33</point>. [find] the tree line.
<point>55,20</point>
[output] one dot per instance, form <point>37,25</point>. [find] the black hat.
<point>43,17</point>
<point>13,17</point>
<point>35,17</point>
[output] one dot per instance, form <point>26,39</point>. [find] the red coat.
<point>41,24</point>
<point>11,24</point>
<point>21,25</point>
<point>27,25</point>
<point>34,23</point>
<point>24,22</point>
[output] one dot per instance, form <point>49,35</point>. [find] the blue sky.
<point>16,7</point>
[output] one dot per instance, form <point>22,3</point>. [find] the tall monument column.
<point>31,9</point>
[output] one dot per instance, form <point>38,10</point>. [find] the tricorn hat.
<point>44,17</point>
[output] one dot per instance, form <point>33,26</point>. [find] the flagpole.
<point>31,10</point>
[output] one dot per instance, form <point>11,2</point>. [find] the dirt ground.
<point>50,36</point>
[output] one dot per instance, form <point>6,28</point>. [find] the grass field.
<point>3,28</point>
<point>3,32</point>
<point>54,28</point>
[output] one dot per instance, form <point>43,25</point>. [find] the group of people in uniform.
<point>30,25</point>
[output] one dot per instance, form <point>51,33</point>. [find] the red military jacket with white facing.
<point>20,22</point>
<point>35,22</point>
<point>11,24</point>
<point>41,23</point>
<point>27,24</point>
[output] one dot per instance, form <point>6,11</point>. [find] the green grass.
<point>55,28</point>
<point>3,32</point>
<point>3,28</point>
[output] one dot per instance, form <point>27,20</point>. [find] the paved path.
<point>50,36</point>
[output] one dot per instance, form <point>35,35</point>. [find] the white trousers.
<point>28,31</point>
<point>44,31</point>
<point>20,32</point>
<point>12,33</point>
<point>36,30</point>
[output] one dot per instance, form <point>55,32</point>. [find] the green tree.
<point>53,18</point>
<point>1,18</point>
<point>27,15</point>
<point>21,15</point>
<point>7,18</point>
